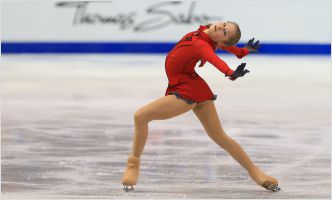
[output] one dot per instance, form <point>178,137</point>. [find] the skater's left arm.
<point>239,52</point>
<point>250,47</point>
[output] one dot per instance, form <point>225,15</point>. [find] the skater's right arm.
<point>206,52</point>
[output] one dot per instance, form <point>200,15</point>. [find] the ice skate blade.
<point>275,188</point>
<point>271,186</point>
<point>127,189</point>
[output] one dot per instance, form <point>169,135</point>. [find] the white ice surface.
<point>67,127</point>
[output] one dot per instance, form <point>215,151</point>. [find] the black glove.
<point>239,72</point>
<point>251,46</point>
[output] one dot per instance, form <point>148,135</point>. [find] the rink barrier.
<point>146,48</point>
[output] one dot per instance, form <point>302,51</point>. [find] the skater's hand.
<point>239,72</point>
<point>251,46</point>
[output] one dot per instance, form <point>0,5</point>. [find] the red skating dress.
<point>180,62</point>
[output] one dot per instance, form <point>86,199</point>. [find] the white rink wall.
<point>297,21</point>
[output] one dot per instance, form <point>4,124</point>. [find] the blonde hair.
<point>235,38</point>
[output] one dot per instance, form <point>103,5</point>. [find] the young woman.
<point>188,91</point>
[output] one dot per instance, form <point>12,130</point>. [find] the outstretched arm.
<point>241,52</point>
<point>207,53</point>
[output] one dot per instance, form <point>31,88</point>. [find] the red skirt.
<point>191,88</point>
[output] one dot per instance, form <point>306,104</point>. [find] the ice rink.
<point>67,128</point>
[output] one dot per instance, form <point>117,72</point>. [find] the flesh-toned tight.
<point>169,106</point>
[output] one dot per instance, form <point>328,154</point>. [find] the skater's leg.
<point>163,108</point>
<point>207,114</point>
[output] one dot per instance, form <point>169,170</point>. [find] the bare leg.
<point>163,108</point>
<point>207,114</point>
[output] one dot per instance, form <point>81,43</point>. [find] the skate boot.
<point>264,180</point>
<point>131,174</point>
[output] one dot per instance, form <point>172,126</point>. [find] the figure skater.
<point>188,91</point>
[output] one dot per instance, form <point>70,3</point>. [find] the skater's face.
<point>222,32</point>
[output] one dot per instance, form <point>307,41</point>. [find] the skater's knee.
<point>141,117</point>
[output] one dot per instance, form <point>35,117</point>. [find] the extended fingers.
<point>256,45</point>
<point>249,43</point>
<point>240,68</point>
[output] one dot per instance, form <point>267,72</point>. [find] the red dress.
<point>180,62</point>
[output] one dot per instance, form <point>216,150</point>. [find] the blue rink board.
<point>146,47</point>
